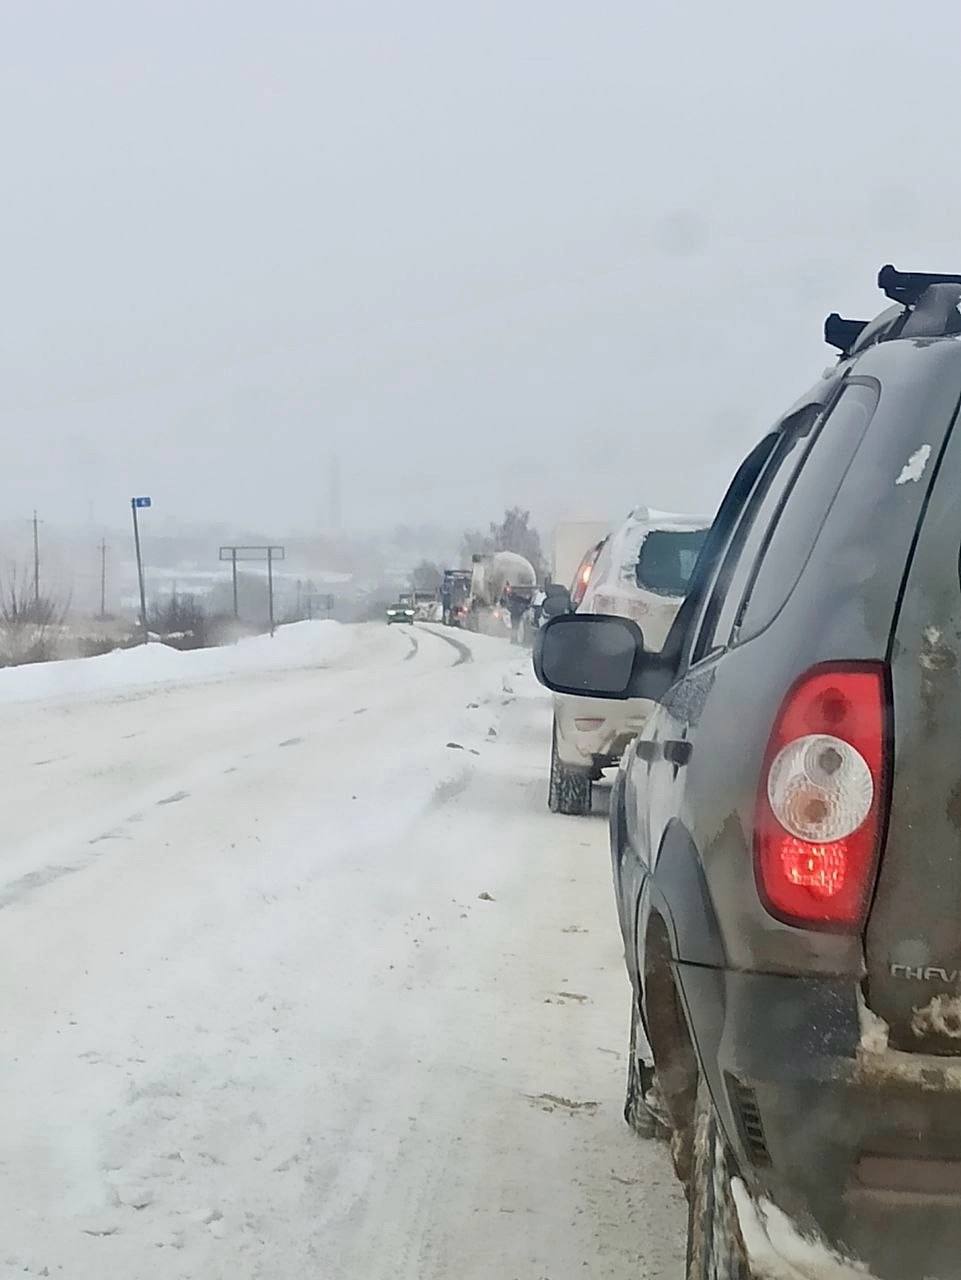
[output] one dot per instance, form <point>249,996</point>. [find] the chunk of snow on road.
<point>99,1227</point>
<point>777,1249</point>
<point>302,644</point>
<point>136,1197</point>
<point>913,469</point>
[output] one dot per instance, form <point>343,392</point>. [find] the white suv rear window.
<point>666,560</point>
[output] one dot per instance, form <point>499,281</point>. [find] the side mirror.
<point>593,654</point>
<point>557,604</point>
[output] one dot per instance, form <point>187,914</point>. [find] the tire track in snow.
<point>464,650</point>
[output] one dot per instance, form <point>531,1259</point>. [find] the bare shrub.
<point>513,533</point>
<point>96,646</point>
<point>180,621</point>
<point>30,626</point>
<point>427,576</point>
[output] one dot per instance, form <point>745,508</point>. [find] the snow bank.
<point>302,644</point>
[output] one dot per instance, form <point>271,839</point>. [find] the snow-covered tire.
<point>570,789</point>
<point>715,1248</point>
<point>641,1083</point>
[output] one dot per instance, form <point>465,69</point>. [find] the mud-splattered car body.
<point>829,1045</point>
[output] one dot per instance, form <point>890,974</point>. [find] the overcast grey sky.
<point>571,255</point>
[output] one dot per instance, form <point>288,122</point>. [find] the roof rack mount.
<point>841,333</point>
<point>907,287</point>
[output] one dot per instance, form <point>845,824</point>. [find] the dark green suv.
<point>786,830</point>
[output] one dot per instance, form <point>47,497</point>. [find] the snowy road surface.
<point>259,1023</point>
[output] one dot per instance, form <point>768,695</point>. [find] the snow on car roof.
<point>651,518</point>
<point>626,541</point>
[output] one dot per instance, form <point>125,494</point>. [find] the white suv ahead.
<point>641,572</point>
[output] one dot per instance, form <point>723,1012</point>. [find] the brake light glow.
<point>820,802</point>
<point>820,869</point>
<point>583,575</point>
<point>580,583</point>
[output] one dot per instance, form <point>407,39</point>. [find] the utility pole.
<point>335,511</point>
<point>103,578</point>
<point>135,505</point>
<point>36,560</point>
<point>233,565</point>
<point>270,587</point>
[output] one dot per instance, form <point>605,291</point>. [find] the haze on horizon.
<point>573,257</point>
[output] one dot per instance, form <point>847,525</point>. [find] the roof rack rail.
<point>841,333</point>
<point>907,287</point>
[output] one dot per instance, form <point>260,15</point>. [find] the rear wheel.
<point>570,789</point>
<point>715,1247</point>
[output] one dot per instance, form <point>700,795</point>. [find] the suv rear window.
<point>667,559</point>
<point>749,534</point>
<point>795,529</point>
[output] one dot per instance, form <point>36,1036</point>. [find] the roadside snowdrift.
<point>302,644</point>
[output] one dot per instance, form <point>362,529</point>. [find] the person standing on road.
<point>537,606</point>
<point>518,603</point>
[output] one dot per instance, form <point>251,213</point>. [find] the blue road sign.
<point>140,502</point>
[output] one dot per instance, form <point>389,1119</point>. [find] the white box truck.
<point>572,540</point>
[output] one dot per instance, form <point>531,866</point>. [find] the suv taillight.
<point>580,584</point>
<point>821,798</point>
<point>583,575</point>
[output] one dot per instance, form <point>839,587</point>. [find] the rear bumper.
<point>602,744</point>
<point>860,1148</point>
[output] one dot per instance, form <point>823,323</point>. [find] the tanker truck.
<point>502,588</point>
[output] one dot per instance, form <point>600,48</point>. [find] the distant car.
<point>400,612</point>
<point>640,572</point>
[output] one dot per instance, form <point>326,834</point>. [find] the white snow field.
<point>259,1022</point>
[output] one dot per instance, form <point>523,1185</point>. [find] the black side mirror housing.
<point>589,653</point>
<point>598,655</point>
<point>557,603</point>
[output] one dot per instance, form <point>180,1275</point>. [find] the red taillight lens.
<point>583,577</point>
<point>821,801</point>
